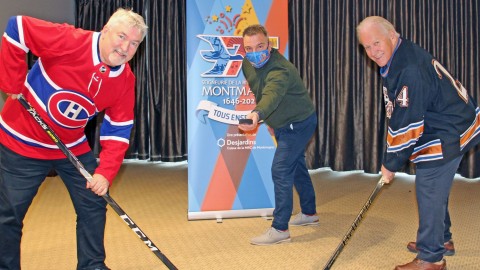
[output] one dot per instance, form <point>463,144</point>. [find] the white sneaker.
<point>301,219</point>
<point>270,237</point>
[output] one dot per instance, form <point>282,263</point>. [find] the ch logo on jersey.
<point>70,109</point>
<point>226,54</point>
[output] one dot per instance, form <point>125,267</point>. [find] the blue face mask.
<point>258,59</point>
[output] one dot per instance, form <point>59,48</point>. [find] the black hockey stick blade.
<point>354,225</point>
<point>74,160</point>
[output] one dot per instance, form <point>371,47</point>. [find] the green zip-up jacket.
<point>279,91</point>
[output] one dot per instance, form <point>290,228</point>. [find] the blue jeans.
<point>432,190</point>
<point>289,169</point>
<point>20,178</point>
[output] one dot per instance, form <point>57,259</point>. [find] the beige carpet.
<point>155,197</point>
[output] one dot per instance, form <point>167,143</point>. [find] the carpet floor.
<point>155,197</point>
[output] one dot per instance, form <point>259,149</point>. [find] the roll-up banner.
<point>228,170</point>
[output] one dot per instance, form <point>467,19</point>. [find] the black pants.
<point>20,178</point>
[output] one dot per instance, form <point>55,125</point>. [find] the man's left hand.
<point>99,184</point>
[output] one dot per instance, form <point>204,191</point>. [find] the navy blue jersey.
<point>432,118</point>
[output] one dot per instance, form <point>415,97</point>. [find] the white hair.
<point>129,18</point>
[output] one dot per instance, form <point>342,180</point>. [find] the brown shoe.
<point>418,264</point>
<point>449,248</point>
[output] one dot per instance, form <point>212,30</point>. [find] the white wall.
<point>61,11</point>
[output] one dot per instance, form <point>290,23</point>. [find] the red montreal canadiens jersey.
<point>68,85</point>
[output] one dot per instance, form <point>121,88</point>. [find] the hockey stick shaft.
<point>355,224</point>
<point>74,160</point>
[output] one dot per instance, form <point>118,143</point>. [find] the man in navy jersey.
<point>432,123</point>
<point>78,74</point>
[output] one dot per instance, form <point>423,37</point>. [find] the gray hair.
<point>383,24</point>
<point>129,18</point>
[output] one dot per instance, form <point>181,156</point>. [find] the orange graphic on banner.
<point>221,189</point>
<point>226,176</point>
<point>278,10</point>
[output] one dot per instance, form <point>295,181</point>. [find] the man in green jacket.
<point>284,104</point>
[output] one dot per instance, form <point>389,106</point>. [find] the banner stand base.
<point>220,215</point>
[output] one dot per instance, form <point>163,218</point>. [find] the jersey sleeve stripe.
<point>14,42</point>
<point>405,137</point>
<point>405,129</point>
<point>21,38</point>
<point>114,138</point>
<point>471,132</point>
<point>426,152</point>
<point>110,131</point>
<point>113,123</point>
<point>14,33</point>
<point>396,148</point>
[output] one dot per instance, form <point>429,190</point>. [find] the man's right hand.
<point>247,127</point>
<point>387,175</point>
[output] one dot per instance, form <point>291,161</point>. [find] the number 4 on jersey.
<point>402,97</point>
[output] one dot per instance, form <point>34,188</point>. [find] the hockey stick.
<point>74,160</point>
<point>354,225</point>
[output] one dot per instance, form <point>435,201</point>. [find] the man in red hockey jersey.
<point>78,74</point>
